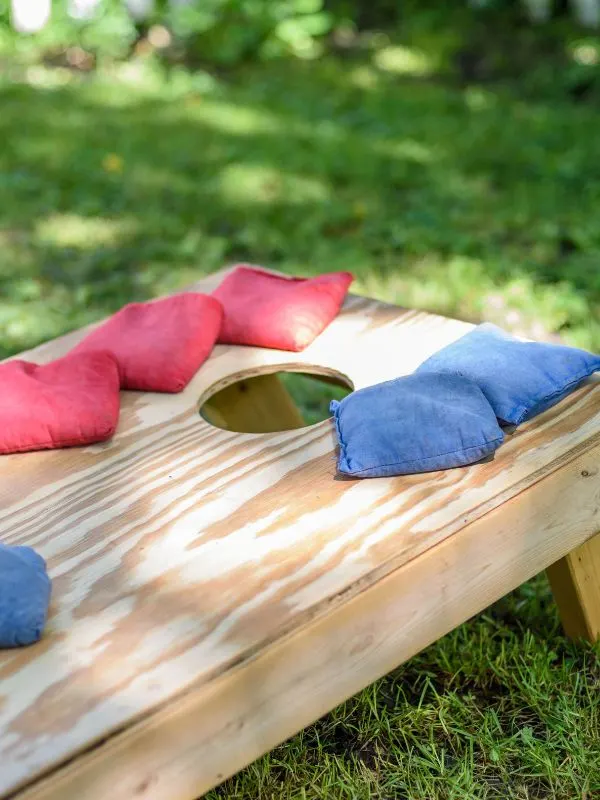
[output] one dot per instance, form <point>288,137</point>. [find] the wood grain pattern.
<point>181,552</point>
<point>575,581</point>
<point>218,727</point>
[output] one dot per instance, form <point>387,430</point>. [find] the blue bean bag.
<point>519,379</point>
<point>24,596</point>
<point>418,423</point>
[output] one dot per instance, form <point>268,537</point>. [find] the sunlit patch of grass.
<point>585,51</point>
<point>402,60</point>
<point>406,150</point>
<point>479,99</point>
<point>34,313</point>
<point>244,185</point>
<point>364,77</point>
<point>433,284</point>
<point>463,287</point>
<point>236,120</point>
<point>72,230</point>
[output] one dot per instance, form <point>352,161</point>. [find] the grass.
<point>468,200</point>
<point>470,190</point>
<point>496,709</point>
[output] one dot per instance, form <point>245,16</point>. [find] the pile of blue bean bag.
<point>451,411</point>
<point>24,596</point>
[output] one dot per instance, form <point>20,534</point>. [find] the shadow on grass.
<point>468,201</point>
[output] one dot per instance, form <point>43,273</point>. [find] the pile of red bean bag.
<point>157,346</point>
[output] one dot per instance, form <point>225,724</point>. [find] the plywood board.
<point>180,551</point>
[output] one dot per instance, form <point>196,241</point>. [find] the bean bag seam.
<point>465,450</point>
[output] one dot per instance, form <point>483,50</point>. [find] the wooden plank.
<point>256,405</point>
<point>177,550</point>
<point>214,730</point>
<point>575,581</point>
<point>212,414</point>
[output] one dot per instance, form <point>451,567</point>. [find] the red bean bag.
<point>267,310</point>
<point>159,345</point>
<point>71,401</point>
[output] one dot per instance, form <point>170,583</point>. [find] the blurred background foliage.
<point>230,32</point>
<point>213,31</point>
<point>447,155</point>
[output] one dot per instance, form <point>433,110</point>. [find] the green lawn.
<point>474,199</point>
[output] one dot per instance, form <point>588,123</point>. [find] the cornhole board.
<point>215,592</point>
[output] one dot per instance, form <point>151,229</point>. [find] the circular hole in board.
<point>278,399</point>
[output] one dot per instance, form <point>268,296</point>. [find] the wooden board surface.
<point>180,551</point>
<point>218,727</point>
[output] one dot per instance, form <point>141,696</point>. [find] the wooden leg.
<point>255,405</point>
<point>575,581</point>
